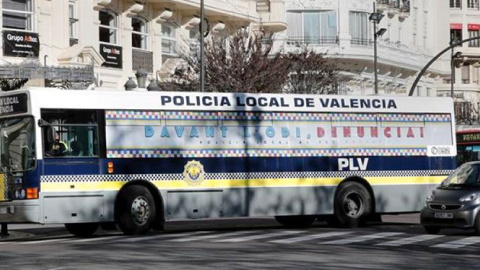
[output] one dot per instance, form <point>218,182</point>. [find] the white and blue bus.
<point>139,159</point>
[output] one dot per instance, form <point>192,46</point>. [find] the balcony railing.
<point>360,41</point>
<point>297,41</point>
<point>263,5</point>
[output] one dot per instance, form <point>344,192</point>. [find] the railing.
<point>360,41</point>
<point>312,40</point>
<point>263,5</point>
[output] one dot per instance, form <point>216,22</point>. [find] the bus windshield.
<point>17,144</point>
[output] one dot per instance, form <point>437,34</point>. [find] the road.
<point>397,243</point>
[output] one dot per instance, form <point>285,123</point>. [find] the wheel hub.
<point>140,211</point>
<point>353,205</point>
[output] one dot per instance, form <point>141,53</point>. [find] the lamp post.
<point>202,48</point>
<point>376,17</point>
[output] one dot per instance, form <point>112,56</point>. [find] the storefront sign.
<point>112,55</point>
<point>20,44</point>
<point>473,26</point>
<point>456,26</point>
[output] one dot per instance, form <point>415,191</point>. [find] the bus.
<point>468,145</point>
<point>139,159</point>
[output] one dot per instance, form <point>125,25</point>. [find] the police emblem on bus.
<point>194,173</point>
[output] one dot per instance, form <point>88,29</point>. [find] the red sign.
<point>473,26</point>
<point>456,26</point>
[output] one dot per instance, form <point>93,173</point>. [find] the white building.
<point>117,37</point>
<point>464,23</point>
<point>414,32</point>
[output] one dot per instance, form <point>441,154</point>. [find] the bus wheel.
<point>295,221</point>
<point>352,204</point>
<point>82,229</point>
<point>135,210</point>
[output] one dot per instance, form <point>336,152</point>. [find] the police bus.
<point>139,159</point>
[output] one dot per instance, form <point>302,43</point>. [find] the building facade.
<point>408,34</point>
<point>117,38</point>
<point>463,82</point>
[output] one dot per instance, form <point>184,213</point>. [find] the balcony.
<point>382,5</point>
<point>272,15</point>
<point>393,8</point>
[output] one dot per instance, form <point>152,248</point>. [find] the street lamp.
<point>376,17</point>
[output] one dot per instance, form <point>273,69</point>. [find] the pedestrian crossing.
<point>279,237</point>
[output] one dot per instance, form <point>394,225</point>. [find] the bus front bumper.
<point>19,211</point>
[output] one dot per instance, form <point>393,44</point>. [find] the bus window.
<point>77,133</point>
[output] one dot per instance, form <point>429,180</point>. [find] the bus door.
<point>71,142</point>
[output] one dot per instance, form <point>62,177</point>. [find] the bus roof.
<point>158,100</point>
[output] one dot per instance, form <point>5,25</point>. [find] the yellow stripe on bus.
<point>242,183</point>
<point>2,187</point>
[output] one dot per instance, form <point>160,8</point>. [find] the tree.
<point>465,113</point>
<point>12,83</point>
<point>313,73</point>
<point>246,63</point>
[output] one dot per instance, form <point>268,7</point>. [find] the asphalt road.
<point>397,243</point>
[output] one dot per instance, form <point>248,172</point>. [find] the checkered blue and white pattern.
<point>212,153</point>
<point>240,176</point>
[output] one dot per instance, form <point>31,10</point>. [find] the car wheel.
<point>477,224</point>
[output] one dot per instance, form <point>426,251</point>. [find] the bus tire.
<point>82,229</point>
<point>135,210</point>
<point>352,205</point>
<point>296,221</point>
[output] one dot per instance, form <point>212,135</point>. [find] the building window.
<point>73,22</point>
<point>455,3</point>
<point>108,26</point>
<point>359,30</point>
<point>472,4</point>
<point>169,39</point>
<point>455,36</point>
<point>139,33</point>
<point>17,14</point>
<point>194,40</point>
<point>475,42</point>
<point>312,27</point>
<point>465,74</point>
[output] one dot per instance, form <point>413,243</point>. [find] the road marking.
<point>210,236</point>
<point>459,243</point>
<point>409,240</point>
<point>32,242</point>
<point>164,235</point>
<point>97,239</point>
<point>309,237</point>
<point>256,237</point>
<point>362,238</point>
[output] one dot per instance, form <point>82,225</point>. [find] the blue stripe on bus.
<point>60,166</point>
